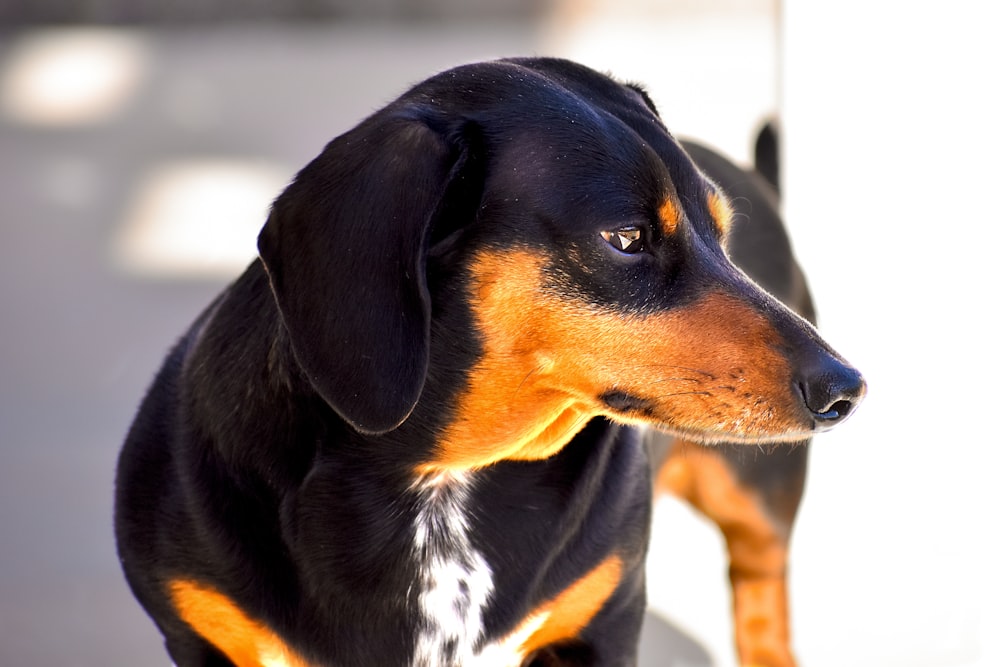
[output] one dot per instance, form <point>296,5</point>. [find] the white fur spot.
<point>455,581</point>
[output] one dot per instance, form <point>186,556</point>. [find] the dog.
<point>426,426</point>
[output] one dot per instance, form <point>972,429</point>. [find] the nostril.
<point>838,410</point>
<point>831,396</point>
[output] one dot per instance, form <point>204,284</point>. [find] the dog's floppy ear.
<point>344,248</point>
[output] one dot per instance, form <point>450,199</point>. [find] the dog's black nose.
<point>831,390</point>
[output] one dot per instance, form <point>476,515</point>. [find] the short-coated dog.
<point>426,427</point>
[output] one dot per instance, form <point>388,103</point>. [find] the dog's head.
<point>546,206</point>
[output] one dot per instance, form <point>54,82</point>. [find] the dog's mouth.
<point>711,422</point>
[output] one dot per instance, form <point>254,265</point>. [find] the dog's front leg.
<point>752,497</point>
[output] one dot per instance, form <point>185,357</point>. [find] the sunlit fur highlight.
<point>709,370</point>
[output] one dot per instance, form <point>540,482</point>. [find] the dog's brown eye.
<point>626,239</point>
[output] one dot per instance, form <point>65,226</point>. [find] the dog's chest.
<point>455,583</point>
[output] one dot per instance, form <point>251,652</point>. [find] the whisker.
<point>582,420</point>
<point>525,378</point>
<point>738,214</point>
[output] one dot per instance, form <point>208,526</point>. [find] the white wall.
<point>891,115</point>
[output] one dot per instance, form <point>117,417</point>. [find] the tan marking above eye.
<point>721,211</point>
<point>670,216</point>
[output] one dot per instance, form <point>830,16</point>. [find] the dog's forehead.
<point>565,136</point>
<point>570,132</point>
<point>591,163</point>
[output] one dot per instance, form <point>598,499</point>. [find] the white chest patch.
<point>455,581</point>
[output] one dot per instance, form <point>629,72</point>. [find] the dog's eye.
<point>626,239</point>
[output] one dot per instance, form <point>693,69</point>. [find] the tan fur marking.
<point>710,370</point>
<point>219,621</point>
<point>722,212</point>
<point>572,610</point>
<point>670,216</point>
<point>758,550</point>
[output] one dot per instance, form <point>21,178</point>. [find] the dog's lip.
<point>631,409</point>
<point>719,436</point>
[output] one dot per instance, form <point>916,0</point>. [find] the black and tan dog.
<point>415,432</point>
